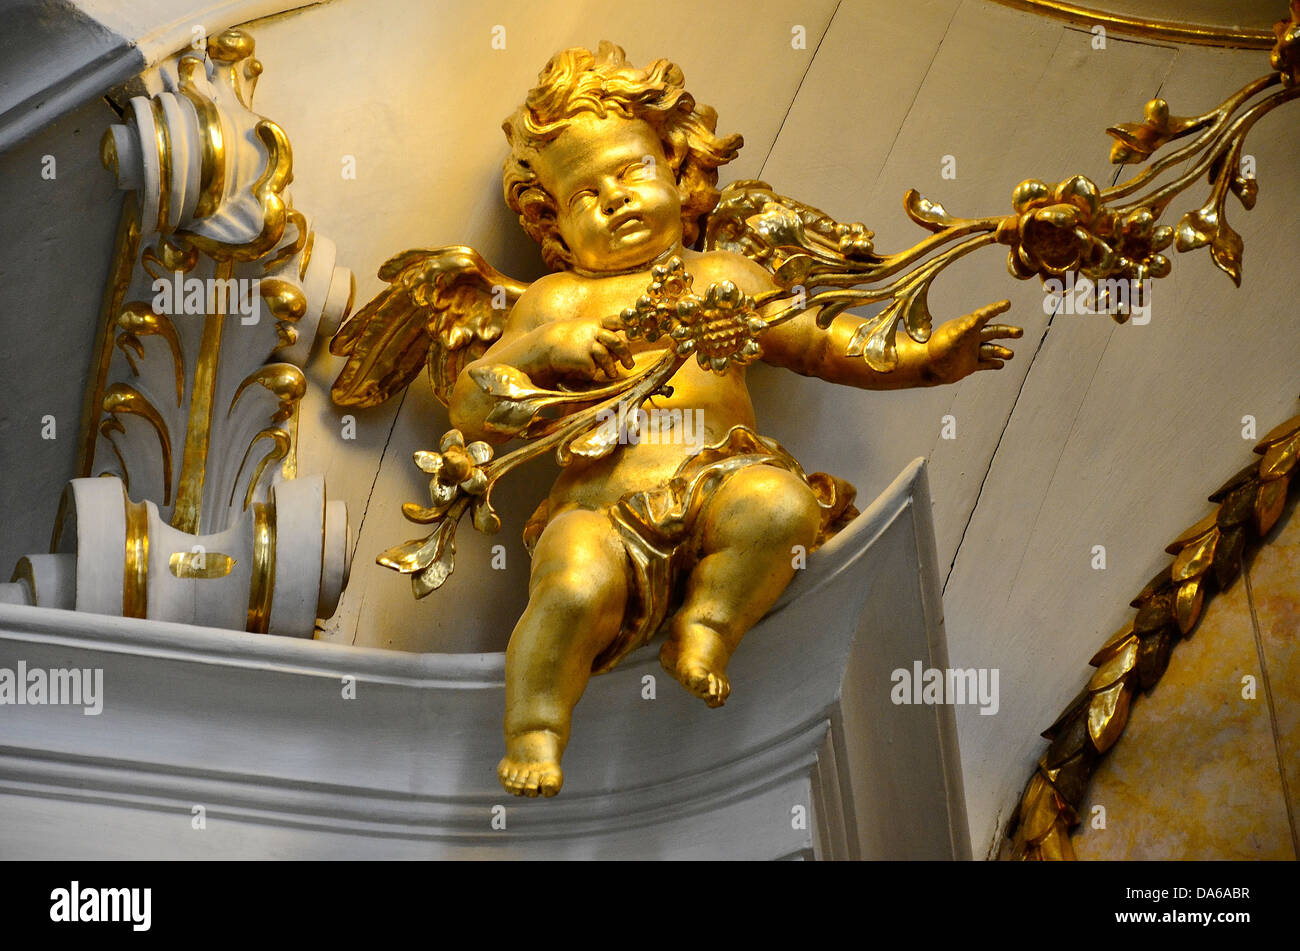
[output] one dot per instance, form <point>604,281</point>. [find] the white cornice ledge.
<point>84,48</point>
<point>255,729</point>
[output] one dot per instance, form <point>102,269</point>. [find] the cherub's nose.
<point>614,198</point>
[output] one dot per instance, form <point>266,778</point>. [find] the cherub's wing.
<point>805,248</point>
<point>443,307</point>
<point>791,239</point>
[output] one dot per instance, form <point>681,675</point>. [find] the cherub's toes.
<point>719,690</point>
<point>508,776</point>
<point>550,784</point>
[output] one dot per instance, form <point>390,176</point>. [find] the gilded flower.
<point>656,309</point>
<point>855,241</point>
<point>455,469</point>
<point>1056,229</point>
<point>721,329</point>
<point>1137,246</point>
<point>1135,141</point>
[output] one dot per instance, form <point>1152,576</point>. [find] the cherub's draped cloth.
<point>657,527</point>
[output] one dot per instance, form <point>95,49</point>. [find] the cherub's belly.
<point>702,408</point>
<point>628,469</point>
<point>670,431</point>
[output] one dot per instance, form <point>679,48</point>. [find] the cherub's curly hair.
<point>603,83</point>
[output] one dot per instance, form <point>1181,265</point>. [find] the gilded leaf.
<point>485,517</point>
<point>404,557</point>
<point>778,226</point>
<point>1160,582</point>
<point>1153,657</point>
<point>1227,559</point>
<point>1239,505</point>
<point>1196,229</point>
<point>1115,668</point>
<point>1187,604</point>
<point>1246,189</point>
<point>1155,614</point>
<point>1107,715</point>
<point>1195,559</point>
<point>874,339</point>
<point>1195,533</point>
<point>1280,458</point>
<point>440,566</point>
<point>1278,433</point>
<point>505,382</point>
<point>1241,478</point>
<point>928,214</point>
<point>1055,846</point>
<point>793,271</point>
<point>1114,645</point>
<point>1040,810</point>
<point>1226,249</point>
<point>513,417</point>
<point>1069,740</point>
<point>1076,705</point>
<point>594,445</point>
<point>1270,503</point>
<point>429,560</point>
<point>916,310</point>
<point>1071,779</point>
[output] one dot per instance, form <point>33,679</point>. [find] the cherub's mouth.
<point>623,221</point>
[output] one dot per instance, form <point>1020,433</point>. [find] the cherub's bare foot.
<point>697,657</point>
<point>531,766</point>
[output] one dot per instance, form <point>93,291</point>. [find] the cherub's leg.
<point>747,536</point>
<point>576,597</point>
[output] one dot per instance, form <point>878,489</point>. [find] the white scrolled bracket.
<point>189,445</point>
<point>213,175</point>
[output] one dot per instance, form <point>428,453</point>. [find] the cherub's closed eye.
<point>638,169</point>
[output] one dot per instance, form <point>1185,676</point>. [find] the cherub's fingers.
<point>993,331</point>
<point>603,360</point>
<point>987,313</point>
<point>618,346</point>
<point>612,322</point>
<point>989,365</point>
<point>990,351</point>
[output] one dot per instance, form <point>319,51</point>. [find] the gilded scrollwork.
<point>233,246</point>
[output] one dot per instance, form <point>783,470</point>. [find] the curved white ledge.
<point>255,729</point>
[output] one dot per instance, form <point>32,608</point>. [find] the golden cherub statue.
<point>671,507</point>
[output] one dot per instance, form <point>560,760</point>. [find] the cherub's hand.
<point>582,347</point>
<point>962,346</point>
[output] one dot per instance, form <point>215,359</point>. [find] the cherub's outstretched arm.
<point>955,349</point>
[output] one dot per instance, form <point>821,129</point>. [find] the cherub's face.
<point>617,201</point>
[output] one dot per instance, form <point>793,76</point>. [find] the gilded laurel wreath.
<point>1207,558</point>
